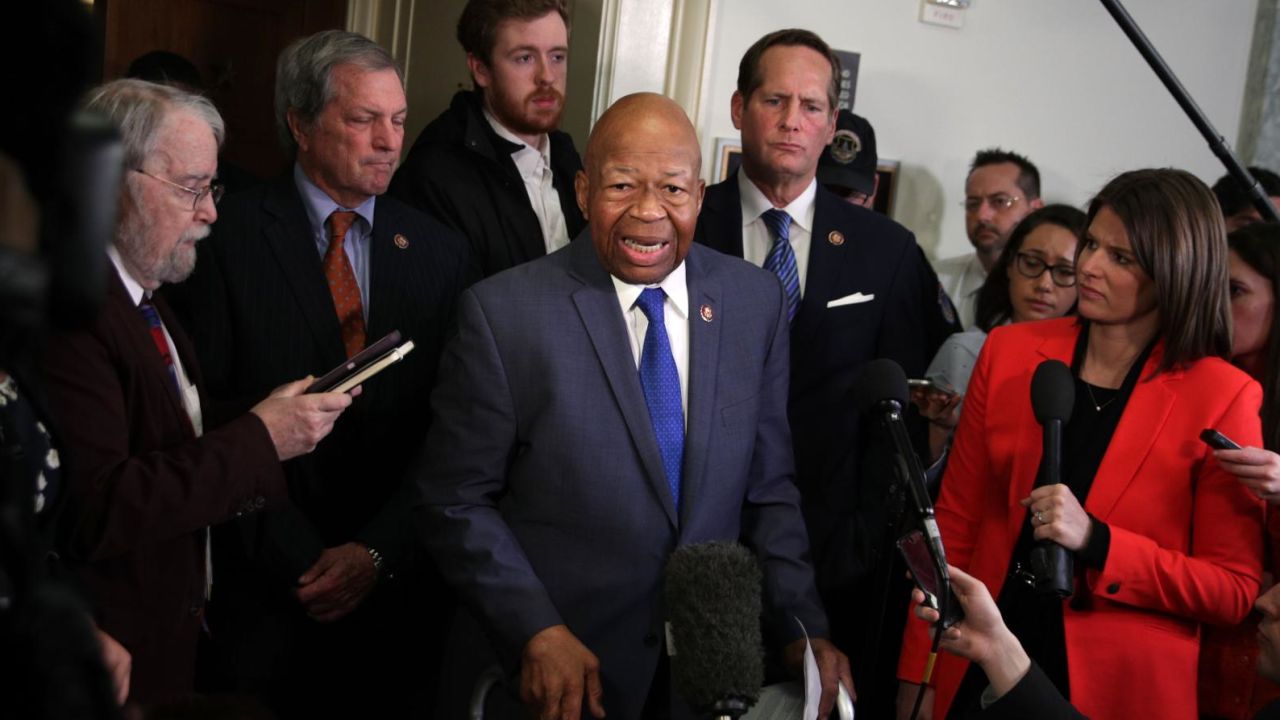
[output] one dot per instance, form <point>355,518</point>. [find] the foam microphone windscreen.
<point>1053,392</point>
<point>882,379</point>
<point>713,604</point>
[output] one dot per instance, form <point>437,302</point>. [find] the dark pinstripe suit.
<point>260,313</point>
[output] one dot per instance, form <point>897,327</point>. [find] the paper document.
<point>813,685</point>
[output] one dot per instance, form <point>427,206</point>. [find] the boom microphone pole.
<point>1217,143</point>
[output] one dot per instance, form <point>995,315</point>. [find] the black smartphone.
<point>357,363</point>
<point>928,386</point>
<point>918,555</point>
<point>1217,440</point>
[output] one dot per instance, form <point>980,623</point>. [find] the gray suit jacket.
<point>543,495</point>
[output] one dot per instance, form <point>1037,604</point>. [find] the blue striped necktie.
<point>781,260</point>
<point>661,385</point>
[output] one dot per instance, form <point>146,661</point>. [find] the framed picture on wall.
<point>887,173</point>
<point>728,157</point>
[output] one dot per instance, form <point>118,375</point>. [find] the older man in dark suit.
<point>600,407</point>
<point>858,288</point>
<point>299,275</point>
<point>148,471</point>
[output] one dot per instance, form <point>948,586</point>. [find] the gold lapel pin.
<point>707,313</point>
<point>401,241</point>
<point>835,237</point>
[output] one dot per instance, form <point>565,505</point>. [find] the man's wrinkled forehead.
<point>648,125</point>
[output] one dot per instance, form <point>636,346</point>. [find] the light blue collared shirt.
<point>319,207</point>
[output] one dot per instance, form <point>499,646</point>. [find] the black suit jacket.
<point>853,250</point>
<point>844,487</point>
<point>260,313</point>
<point>461,172</point>
<point>1034,697</point>
<point>141,487</point>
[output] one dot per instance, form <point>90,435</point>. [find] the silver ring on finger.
<point>1039,516</point>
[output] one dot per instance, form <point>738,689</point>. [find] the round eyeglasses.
<point>1030,266</point>
<point>213,190</point>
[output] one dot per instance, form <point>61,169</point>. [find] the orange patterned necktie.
<point>342,283</point>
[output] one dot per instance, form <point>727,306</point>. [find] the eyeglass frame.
<point>992,200</point>
<point>214,190</point>
<point>1021,257</point>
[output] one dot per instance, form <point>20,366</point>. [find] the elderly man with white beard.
<point>145,474</point>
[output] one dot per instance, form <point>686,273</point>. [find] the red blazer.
<point>141,487</point>
<point>1230,686</point>
<point>1186,537</point>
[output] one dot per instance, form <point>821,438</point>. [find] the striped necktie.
<point>162,344</point>
<point>781,260</point>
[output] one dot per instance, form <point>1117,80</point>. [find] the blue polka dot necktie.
<point>781,260</point>
<point>661,384</point>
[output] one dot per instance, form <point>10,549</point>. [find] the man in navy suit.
<point>859,288</point>
<point>332,591</point>
<point>599,407</point>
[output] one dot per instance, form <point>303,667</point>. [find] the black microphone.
<point>713,606</point>
<point>882,393</point>
<point>1053,394</point>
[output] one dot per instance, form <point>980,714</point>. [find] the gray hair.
<point>139,108</point>
<point>304,74</point>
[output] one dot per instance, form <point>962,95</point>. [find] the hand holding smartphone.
<point>925,386</point>
<point>1217,440</point>
<point>363,365</point>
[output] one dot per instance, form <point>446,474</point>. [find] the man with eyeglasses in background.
<point>1002,188</point>
<point>146,470</point>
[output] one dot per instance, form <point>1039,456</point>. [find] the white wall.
<point>1054,79</point>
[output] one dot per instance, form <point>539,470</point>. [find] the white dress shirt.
<point>756,240</point>
<point>962,277</point>
<point>190,396</point>
<point>534,166</point>
<point>675,316</point>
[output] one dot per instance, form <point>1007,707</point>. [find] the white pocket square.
<point>853,299</point>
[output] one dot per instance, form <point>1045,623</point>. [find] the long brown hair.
<point>1258,246</point>
<point>1178,238</point>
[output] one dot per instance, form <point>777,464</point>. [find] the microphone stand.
<point>1217,144</point>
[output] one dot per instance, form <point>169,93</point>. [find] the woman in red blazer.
<point>1229,687</point>
<point>1163,538</point>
